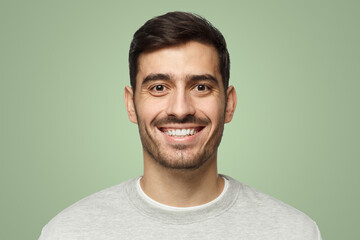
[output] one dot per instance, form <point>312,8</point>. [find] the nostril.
<point>180,105</point>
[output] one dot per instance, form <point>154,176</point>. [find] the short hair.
<point>174,28</point>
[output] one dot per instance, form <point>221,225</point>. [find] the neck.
<point>181,188</point>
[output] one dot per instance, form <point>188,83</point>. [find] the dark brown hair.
<point>175,28</point>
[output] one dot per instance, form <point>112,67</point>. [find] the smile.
<point>181,132</point>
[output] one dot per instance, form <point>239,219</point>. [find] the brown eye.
<point>201,87</point>
<point>159,88</point>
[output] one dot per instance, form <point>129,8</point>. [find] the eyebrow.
<point>203,77</point>
<point>156,76</point>
<point>195,78</point>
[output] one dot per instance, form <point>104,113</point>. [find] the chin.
<point>181,160</point>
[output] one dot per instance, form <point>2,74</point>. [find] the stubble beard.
<point>179,157</point>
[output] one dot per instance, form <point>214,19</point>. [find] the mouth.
<point>181,132</point>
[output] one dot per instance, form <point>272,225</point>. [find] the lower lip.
<point>185,139</point>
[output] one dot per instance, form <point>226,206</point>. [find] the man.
<point>180,99</point>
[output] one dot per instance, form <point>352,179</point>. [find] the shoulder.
<point>267,212</point>
<point>105,204</point>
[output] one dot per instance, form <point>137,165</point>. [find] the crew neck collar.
<point>179,209</point>
<point>187,215</point>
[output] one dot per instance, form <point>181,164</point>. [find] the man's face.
<point>179,105</point>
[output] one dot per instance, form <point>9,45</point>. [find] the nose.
<point>180,104</point>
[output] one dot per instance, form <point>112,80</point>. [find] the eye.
<point>158,88</point>
<point>202,88</point>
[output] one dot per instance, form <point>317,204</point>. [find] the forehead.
<point>192,58</point>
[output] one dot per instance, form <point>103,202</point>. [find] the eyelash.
<point>153,88</point>
<point>207,88</point>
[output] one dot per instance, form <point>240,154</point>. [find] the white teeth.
<point>180,132</point>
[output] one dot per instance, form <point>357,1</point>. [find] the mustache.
<point>186,119</point>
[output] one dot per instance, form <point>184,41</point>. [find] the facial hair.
<point>178,157</point>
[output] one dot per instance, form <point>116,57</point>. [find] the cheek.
<point>148,110</point>
<point>212,108</point>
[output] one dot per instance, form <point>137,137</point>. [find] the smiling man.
<point>180,99</point>
<point>179,103</point>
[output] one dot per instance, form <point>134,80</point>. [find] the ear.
<point>129,102</point>
<point>231,102</point>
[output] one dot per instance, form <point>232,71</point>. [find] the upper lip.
<point>180,126</point>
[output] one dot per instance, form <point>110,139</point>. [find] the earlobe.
<point>130,106</point>
<point>231,102</point>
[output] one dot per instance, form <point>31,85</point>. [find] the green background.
<point>64,131</point>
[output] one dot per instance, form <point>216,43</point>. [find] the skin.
<point>180,87</point>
